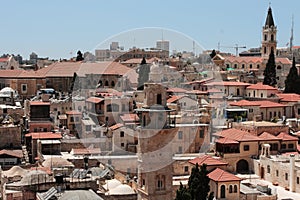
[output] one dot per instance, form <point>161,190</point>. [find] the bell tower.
<point>154,145</point>
<point>269,32</point>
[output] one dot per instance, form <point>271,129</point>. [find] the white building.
<point>163,45</point>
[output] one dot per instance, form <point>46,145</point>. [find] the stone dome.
<point>111,184</point>
<point>122,190</point>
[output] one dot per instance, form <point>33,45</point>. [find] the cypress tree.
<point>182,193</point>
<point>292,80</point>
<point>270,71</point>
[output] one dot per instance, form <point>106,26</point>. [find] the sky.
<point>59,28</point>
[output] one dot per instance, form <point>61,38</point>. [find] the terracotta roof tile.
<point>260,86</point>
<point>174,98</point>
<point>286,137</point>
<point>219,175</point>
<point>289,97</point>
<point>237,135</point>
<point>94,100</point>
<point>261,104</point>
<point>254,59</point>
<point>44,135</point>
<point>73,112</point>
<point>226,141</point>
<point>130,118</point>
<point>265,136</point>
<point>39,103</point>
<point>208,160</point>
<point>116,126</point>
<point>242,103</point>
<point>4,59</point>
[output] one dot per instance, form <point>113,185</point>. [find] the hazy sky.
<point>58,27</point>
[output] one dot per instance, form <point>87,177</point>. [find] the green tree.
<point>79,56</point>
<point>143,71</point>
<point>292,80</point>
<point>213,53</point>
<point>270,71</point>
<point>182,193</point>
<point>198,186</point>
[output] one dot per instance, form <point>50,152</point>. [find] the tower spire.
<point>292,34</point>
<point>269,20</point>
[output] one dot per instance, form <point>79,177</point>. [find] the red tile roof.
<point>73,112</point>
<point>289,97</point>
<point>208,160</point>
<point>286,137</point>
<point>237,135</point>
<point>260,86</point>
<point>265,136</point>
<point>39,103</point>
<point>227,83</point>
<point>10,73</point>
<point>254,59</point>
<point>13,153</point>
<point>261,104</point>
<point>242,103</point>
<point>174,98</point>
<point>129,118</point>
<point>94,100</point>
<point>226,141</point>
<point>4,59</point>
<point>116,126</point>
<point>219,175</point>
<point>44,135</point>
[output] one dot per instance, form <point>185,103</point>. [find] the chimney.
<point>292,172</point>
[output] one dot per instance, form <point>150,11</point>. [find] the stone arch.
<point>242,166</point>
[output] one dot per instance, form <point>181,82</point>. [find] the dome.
<point>57,162</point>
<point>111,184</point>
<point>15,171</point>
<point>34,177</point>
<point>122,190</point>
<point>6,92</point>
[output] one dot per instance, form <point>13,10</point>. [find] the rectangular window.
<point>246,147</point>
<point>88,128</point>
<point>250,110</point>
<point>201,134</point>
<point>186,168</point>
<point>179,135</point>
<point>286,176</point>
<point>122,134</point>
<point>277,173</point>
<point>24,88</point>
<point>77,119</point>
<point>297,180</point>
<point>122,144</point>
<point>72,119</point>
<point>290,146</point>
<point>180,149</point>
<point>298,111</point>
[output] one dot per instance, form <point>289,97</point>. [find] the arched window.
<point>261,95</point>
<point>100,83</point>
<point>223,190</point>
<point>266,37</point>
<point>278,67</point>
<point>235,66</point>
<point>265,50</point>
<point>250,66</point>
<point>230,188</point>
<point>112,84</point>
<point>106,83</point>
<point>257,66</point>
<point>235,189</point>
<point>272,37</point>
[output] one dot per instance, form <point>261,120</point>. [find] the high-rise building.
<point>163,45</point>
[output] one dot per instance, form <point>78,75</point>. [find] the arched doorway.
<point>262,172</point>
<point>242,166</point>
<point>223,191</point>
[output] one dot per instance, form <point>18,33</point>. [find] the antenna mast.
<point>292,34</point>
